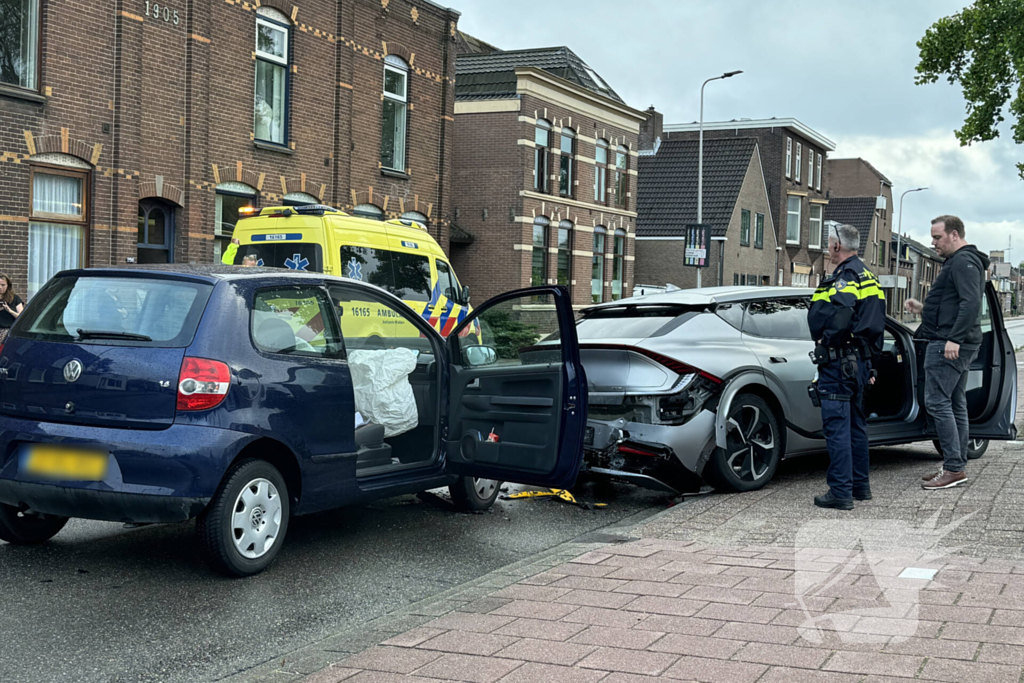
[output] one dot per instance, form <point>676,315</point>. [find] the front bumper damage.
<point>662,457</point>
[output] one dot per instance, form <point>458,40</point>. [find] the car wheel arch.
<point>747,383</point>
<point>278,455</point>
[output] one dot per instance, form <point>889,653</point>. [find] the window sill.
<point>792,244</point>
<point>392,173</point>
<point>272,147</point>
<point>21,94</point>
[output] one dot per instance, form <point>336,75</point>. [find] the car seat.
<point>274,335</point>
<point>372,451</point>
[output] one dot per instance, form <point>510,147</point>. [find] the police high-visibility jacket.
<point>849,307</point>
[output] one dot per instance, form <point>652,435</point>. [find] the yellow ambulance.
<point>398,255</point>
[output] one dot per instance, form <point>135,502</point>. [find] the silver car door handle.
<point>778,359</point>
<point>475,384</point>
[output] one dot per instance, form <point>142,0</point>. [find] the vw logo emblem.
<point>73,370</point>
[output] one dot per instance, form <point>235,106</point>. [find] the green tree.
<point>981,47</point>
<point>506,334</point>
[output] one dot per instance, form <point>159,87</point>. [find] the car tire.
<point>19,528</point>
<point>241,533</point>
<point>474,495</point>
<point>975,448</point>
<point>754,447</point>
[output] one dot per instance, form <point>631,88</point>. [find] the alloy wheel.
<point>256,518</point>
<point>750,443</point>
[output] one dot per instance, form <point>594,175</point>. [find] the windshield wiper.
<point>110,334</point>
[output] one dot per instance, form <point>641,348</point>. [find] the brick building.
<point>545,176</point>
<point>744,248</point>
<point>858,178</point>
<point>793,156</point>
<point>134,131</point>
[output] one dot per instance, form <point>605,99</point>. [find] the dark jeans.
<point>846,429</point>
<point>945,399</point>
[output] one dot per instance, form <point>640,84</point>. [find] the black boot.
<point>827,500</point>
<point>862,494</point>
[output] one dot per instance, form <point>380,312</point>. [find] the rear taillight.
<point>202,383</point>
<point>672,364</point>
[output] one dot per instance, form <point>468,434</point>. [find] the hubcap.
<point>484,487</point>
<point>976,444</point>
<point>751,443</point>
<point>256,518</point>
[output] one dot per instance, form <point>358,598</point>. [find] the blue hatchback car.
<point>234,396</point>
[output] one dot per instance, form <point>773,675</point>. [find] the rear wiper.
<point>110,334</point>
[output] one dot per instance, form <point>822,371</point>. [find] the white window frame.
<point>801,280</point>
<point>272,22</point>
<point>810,168</point>
<point>799,161</point>
<point>398,66</point>
<point>814,238</point>
<point>799,211</point>
<point>789,156</point>
<point>818,184</point>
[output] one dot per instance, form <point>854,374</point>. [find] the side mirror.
<point>478,355</point>
<point>465,295</point>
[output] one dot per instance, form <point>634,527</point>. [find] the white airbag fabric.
<point>383,393</point>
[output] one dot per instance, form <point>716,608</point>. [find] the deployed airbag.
<point>383,393</point>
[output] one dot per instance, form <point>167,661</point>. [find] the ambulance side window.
<point>446,281</point>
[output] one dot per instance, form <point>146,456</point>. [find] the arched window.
<point>539,273</point>
<point>621,174</point>
<point>564,253</point>
<point>369,211</point>
<point>156,232</point>
<point>270,102</point>
<point>597,265</point>
<point>299,199</point>
<point>417,217</point>
<point>601,171</point>
<point>230,198</point>
<point>618,262</point>
<point>393,116</point>
<point>542,140</point>
<point>567,163</point>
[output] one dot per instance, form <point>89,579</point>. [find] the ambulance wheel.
<point>975,448</point>
<point>374,342</point>
<point>24,528</point>
<point>753,447</point>
<point>474,495</point>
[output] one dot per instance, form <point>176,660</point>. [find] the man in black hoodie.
<point>950,323</point>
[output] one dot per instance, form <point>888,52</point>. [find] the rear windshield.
<point>633,321</point>
<point>305,256</point>
<point>116,311</point>
<point>407,276</point>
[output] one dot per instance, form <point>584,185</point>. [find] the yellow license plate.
<point>59,462</point>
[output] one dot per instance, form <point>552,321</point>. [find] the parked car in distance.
<point>229,395</point>
<point>712,383</point>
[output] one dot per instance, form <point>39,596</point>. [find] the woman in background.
<point>11,306</point>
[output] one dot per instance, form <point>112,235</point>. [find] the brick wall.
<point>171,103</point>
<point>856,178</point>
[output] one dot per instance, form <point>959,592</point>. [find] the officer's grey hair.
<point>847,235</point>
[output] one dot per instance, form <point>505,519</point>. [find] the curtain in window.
<point>600,170</point>
<point>51,249</point>
<point>19,31</point>
<point>597,268</point>
<point>57,194</point>
<point>269,112</point>
<point>617,264</point>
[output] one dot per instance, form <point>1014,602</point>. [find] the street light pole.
<point>700,158</point>
<point>899,237</point>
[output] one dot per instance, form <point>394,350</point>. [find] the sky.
<point>846,69</point>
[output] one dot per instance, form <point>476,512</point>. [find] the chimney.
<point>651,130</point>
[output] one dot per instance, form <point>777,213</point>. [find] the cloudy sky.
<point>846,69</point>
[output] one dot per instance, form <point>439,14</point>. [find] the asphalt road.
<point>103,603</point>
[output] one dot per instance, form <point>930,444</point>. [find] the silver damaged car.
<point>711,384</point>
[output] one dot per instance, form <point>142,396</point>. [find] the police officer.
<point>847,320</point>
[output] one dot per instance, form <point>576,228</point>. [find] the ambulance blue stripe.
<point>434,296</point>
<point>462,315</point>
<point>447,314</point>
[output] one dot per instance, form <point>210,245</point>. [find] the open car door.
<point>992,379</point>
<point>517,392</point>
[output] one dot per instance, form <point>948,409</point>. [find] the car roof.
<point>707,296</point>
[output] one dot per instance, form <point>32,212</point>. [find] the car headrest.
<point>274,334</point>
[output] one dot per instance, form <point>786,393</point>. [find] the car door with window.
<point>776,330</point>
<point>518,394</point>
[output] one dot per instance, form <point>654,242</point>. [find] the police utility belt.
<point>826,355</point>
<point>847,355</point>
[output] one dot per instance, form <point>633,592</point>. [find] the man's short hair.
<point>847,235</point>
<point>951,224</point>
<point>249,258</point>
